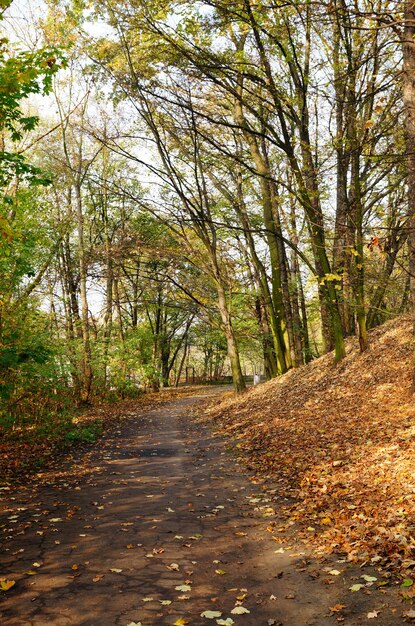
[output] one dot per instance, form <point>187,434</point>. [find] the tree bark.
<point>409,105</point>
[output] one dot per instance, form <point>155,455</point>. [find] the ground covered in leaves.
<point>156,524</point>
<point>29,450</point>
<point>337,442</point>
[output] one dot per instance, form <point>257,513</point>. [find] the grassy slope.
<point>340,441</point>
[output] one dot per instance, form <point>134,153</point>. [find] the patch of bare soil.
<point>337,442</point>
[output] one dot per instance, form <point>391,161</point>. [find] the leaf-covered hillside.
<point>339,441</point>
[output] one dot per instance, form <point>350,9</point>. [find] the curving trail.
<point>157,505</point>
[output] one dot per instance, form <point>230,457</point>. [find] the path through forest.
<point>157,524</point>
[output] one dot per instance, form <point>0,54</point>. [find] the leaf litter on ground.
<point>337,441</point>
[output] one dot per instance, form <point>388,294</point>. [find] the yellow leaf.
<point>98,577</point>
<point>5,584</point>
<point>181,622</point>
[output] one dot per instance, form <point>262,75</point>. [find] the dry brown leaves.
<point>340,440</point>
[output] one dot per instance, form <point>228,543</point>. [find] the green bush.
<point>84,434</point>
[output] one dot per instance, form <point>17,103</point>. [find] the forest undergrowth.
<point>26,451</point>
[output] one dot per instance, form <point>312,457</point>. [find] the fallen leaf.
<point>225,622</point>
<point>356,587</point>
<point>221,572</point>
<point>239,610</point>
<point>372,614</point>
<point>115,570</point>
<point>334,572</point>
<point>369,579</point>
<point>211,614</point>
<point>173,566</point>
<point>183,588</point>
<point>408,582</point>
<point>5,584</point>
<point>410,614</point>
<point>181,622</point>
<point>337,607</point>
<point>165,602</point>
<point>148,599</point>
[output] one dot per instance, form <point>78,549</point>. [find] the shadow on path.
<point>155,523</point>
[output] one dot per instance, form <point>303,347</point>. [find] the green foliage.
<point>31,383</point>
<point>23,73</point>
<point>84,434</point>
<point>29,371</point>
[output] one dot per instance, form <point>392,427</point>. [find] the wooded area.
<point>191,189</point>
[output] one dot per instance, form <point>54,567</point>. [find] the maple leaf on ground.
<point>211,614</point>
<point>369,579</point>
<point>183,588</point>
<point>181,622</point>
<point>239,610</point>
<point>5,584</point>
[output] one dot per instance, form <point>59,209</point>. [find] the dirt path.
<point>156,523</point>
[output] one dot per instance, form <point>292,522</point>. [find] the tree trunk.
<point>409,105</point>
<point>267,198</point>
<point>87,372</point>
<point>233,354</point>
